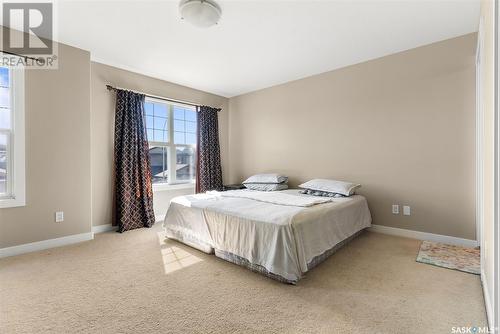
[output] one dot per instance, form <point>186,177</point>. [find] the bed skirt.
<point>326,254</point>
<point>188,240</point>
<point>230,257</point>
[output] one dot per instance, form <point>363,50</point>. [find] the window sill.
<point>165,187</point>
<point>11,203</point>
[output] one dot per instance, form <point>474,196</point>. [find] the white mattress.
<point>281,238</point>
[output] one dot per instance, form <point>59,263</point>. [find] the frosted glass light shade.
<point>201,13</point>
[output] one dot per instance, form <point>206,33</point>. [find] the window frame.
<point>16,173</point>
<point>170,146</point>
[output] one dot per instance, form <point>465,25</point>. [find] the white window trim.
<point>17,172</point>
<point>171,150</point>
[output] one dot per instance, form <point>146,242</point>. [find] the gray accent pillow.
<point>266,186</point>
<point>320,193</point>
<point>266,178</point>
<point>332,186</point>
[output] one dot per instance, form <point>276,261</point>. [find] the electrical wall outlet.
<point>406,210</point>
<point>395,209</point>
<point>59,216</point>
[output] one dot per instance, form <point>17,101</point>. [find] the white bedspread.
<point>283,238</point>
<point>276,197</point>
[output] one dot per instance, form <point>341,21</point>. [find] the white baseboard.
<point>111,228</point>
<point>104,228</point>
<point>45,244</point>
<point>487,300</point>
<point>400,232</point>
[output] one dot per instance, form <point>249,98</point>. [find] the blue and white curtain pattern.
<point>133,187</point>
<point>209,171</point>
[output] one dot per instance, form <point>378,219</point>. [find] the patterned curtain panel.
<point>133,188</point>
<point>209,172</point>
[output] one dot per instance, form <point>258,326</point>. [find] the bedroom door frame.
<point>496,224</point>
<point>479,144</point>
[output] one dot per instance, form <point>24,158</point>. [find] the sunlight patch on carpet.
<point>175,258</point>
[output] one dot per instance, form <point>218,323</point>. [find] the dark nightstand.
<point>227,187</point>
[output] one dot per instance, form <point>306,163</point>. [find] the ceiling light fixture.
<point>201,13</point>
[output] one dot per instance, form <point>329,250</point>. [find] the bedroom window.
<point>171,131</point>
<point>12,173</point>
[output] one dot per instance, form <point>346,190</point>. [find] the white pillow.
<point>333,186</point>
<point>267,186</point>
<point>266,178</point>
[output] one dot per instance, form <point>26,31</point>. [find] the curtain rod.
<point>109,87</point>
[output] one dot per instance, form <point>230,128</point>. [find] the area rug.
<point>450,256</point>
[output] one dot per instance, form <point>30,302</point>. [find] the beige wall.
<point>161,200</point>
<point>69,148</point>
<point>103,127</point>
<point>487,100</point>
<point>408,140</point>
<point>403,126</point>
<point>57,112</point>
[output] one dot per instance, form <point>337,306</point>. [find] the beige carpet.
<point>119,283</point>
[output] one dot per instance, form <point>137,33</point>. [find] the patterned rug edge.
<point>425,256</point>
<point>425,261</point>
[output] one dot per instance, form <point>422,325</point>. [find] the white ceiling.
<point>257,44</point>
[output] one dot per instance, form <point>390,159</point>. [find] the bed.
<point>281,234</point>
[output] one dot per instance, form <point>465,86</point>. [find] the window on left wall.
<point>171,131</point>
<point>12,150</point>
